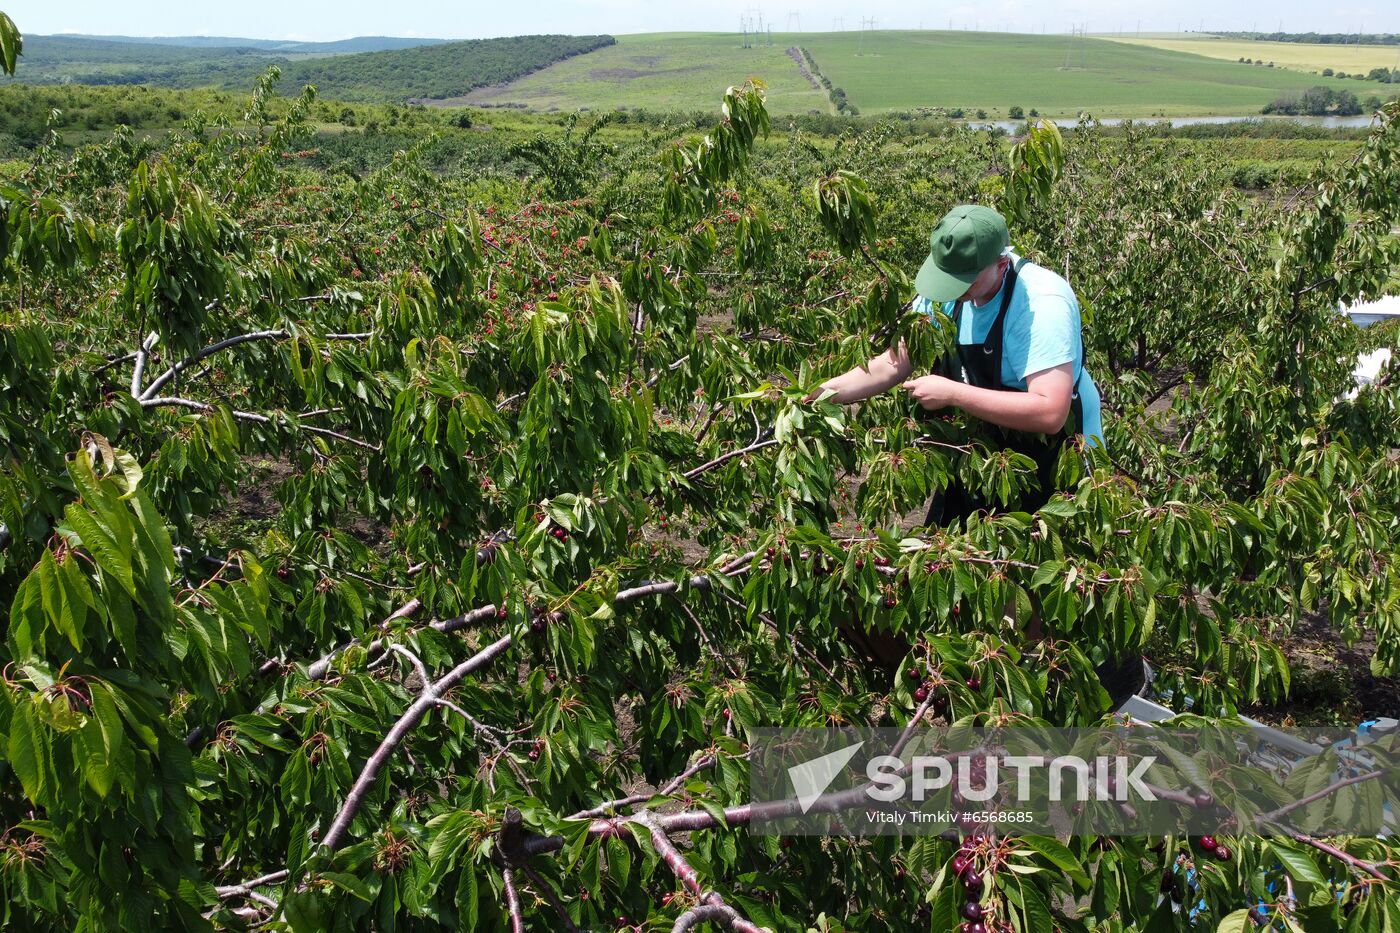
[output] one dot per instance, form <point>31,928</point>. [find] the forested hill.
<point>436,71</point>
<point>336,47</point>
<point>429,71</point>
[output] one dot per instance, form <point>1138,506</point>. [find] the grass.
<point>885,71</point>
<point>994,71</point>
<point>1299,56</point>
<point>681,71</point>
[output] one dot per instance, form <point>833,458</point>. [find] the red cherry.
<point>976,927</point>
<point>972,911</point>
<point>1208,842</point>
<point>860,563</point>
<point>726,713</point>
<point>891,602</point>
<point>501,612</point>
<point>921,694</point>
<point>960,865</point>
<point>974,683</point>
<point>1222,853</point>
<point>912,673</point>
<point>972,884</point>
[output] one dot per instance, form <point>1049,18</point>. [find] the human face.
<point>987,283</point>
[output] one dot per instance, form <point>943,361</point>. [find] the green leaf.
<point>11,44</point>
<point>349,883</point>
<point>1299,865</point>
<point>1061,857</point>
<point>306,912</point>
<point>468,897</point>
<point>113,556</point>
<point>26,749</point>
<point>58,605</point>
<point>1236,922</point>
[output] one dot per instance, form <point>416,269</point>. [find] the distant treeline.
<point>434,71</point>
<point>1320,38</point>
<point>1320,101</point>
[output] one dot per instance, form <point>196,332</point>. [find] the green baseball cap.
<point>967,240</point>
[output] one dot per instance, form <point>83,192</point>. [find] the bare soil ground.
<point>1332,681</point>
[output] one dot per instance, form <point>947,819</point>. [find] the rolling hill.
<point>883,71</point>
<point>436,70</point>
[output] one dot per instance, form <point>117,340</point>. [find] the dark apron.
<point>979,364</point>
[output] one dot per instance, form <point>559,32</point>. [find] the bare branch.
<point>208,351</point>
<point>418,666</point>
<point>399,733</point>
<point>246,888</point>
<point>688,876</point>
<point>1356,863</point>
<point>705,761</point>
<point>722,914</point>
<point>139,370</point>
<point>517,919</point>
<point>1273,815</point>
<point>205,408</point>
<point>725,458</point>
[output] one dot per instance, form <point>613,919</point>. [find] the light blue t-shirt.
<point>1042,331</point>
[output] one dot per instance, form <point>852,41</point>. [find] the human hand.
<point>933,392</point>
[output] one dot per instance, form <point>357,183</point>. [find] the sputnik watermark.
<point>1117,780</point>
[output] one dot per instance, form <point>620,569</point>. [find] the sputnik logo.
<point>811,778</point>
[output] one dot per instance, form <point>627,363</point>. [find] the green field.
<point>659,71</point>
<point>903,70</point>
<point>1300,56</point>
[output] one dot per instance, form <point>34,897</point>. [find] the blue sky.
<point>325,19</point>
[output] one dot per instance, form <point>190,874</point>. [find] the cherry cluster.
<point>965,868</point>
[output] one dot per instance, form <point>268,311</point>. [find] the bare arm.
<point>1042,408</point>
<point>879,374</point>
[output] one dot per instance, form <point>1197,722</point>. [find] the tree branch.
<point>208,351</point>
<point>399,733</point>
<point>688,876</point>
<point>1356,863</point>
<point>550,895</point>
<point>205,408</point>
<point>1273,815</point>
<point>517,919</point>
<point>725,458</point>
<point>139,370</point>
<point>705,761</point>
